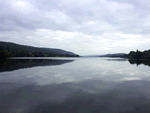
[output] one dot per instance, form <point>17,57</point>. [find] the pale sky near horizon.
<point>85,27</point>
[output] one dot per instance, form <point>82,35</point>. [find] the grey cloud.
<point>125,19</point>
<point>144,4</point>
<point>98,19</point>
<point>10,19</point>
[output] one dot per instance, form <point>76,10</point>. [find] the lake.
<point>74,85</point>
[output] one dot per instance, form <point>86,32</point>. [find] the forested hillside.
<point>8,49</point>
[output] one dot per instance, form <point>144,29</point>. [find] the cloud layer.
<point>84,27</point>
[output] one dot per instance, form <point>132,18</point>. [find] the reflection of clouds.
<point>130,78</point>
<point>79,70</point>
<point>132,73</point>
<point>88,94</point>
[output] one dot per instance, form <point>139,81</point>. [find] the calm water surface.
<point>74,85</point>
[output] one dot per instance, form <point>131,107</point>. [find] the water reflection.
<point>80,86</point>
<point>139,62</point>
<point>91,96</point>
<point>14,64</point>
<point>49,71</point>
<point>117,59</point>
<point>132,61</point>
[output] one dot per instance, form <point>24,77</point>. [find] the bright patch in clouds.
<point>21,4</point>
<point>84,27</point>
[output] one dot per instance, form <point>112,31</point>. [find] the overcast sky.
<point>85,27</point>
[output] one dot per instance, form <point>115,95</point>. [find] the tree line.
<point>24,53</point>
<point>138,54</point>
<point>132,55</point>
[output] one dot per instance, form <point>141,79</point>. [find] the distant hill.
<point>17,50</point>
<point>107,55</point>
<point>114,55</point>
<point>90,56</point>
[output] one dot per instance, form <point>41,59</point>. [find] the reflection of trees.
<point>121,59</point>
<point>14,64</point>
<point>138,62</point>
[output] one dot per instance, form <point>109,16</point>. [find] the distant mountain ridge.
<point>18,50</point>
<point>113,55</point>
<point>107,55</point>
<point>90,56</point>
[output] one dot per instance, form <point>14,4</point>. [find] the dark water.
<point>74,85</point>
